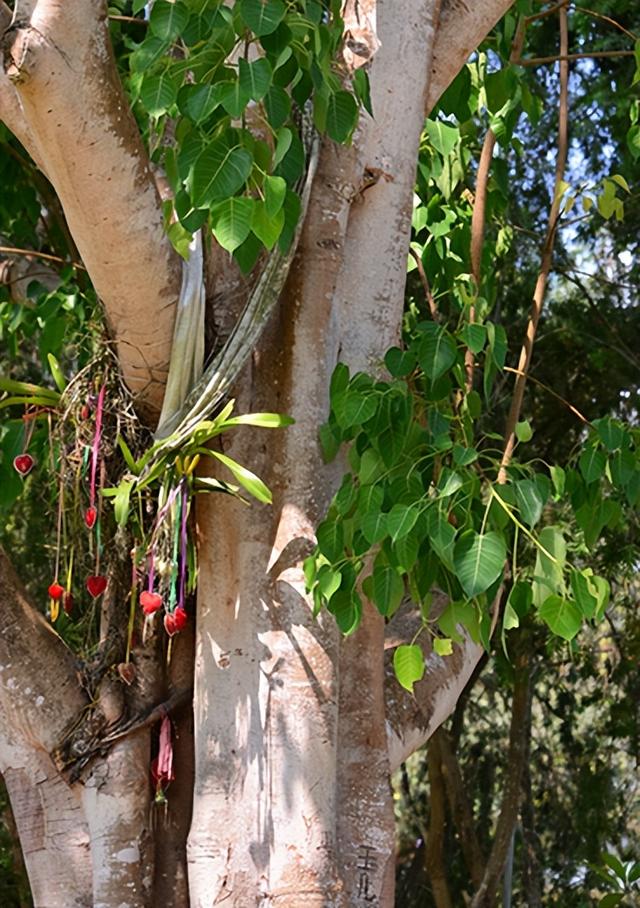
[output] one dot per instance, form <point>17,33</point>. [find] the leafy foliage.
<point>233,82</point>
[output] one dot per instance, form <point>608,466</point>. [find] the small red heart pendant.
<point>96,585</point>
<point>55,590</point>
<point>90,517</point>
<point>174,622</point>
<point>180,618</point>
<point>127,672</point>
<point>67,603</point>
<point>23,464</point>
<point>150,602</point>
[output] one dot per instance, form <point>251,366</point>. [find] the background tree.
<point>578,789</point>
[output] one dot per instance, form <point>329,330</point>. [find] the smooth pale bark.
<point>54,836</point>
<point>265,675</point>
<point>267,681</point>
<point>11,113</point>
<point>65,79</point>
<point>412,719</point>
<point>36,705</point>
<point>369,299</point>
<point>463,25</point>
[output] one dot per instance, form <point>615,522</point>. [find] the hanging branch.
<point>547,257</point>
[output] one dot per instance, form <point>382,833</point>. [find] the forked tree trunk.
<point>295,729</point>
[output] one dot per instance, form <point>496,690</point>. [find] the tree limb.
<point>462,27</point>
<point>460,806</point>
<point>411,720</point>
<point>39,695</point>
<point>11,113</point>
<point>37,698</point>
<point>76,111</point>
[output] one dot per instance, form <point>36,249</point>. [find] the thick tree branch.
<point>11,113</point>
<point>39,696</point>
<point>65,77</point>
<point>411,720</point>
<point>462,27</point>
<point>39,690</point>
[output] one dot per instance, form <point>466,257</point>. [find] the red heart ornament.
<point>67,603</point>
<point>55,590</point>
<point>175,621</point>
<point>96,585</point>
<point>127,672</point>
<point>23,464</point>
<point>180,618</point>
<point>90,517</point>
<point>150,602</point>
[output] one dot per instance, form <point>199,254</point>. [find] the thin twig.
<point>547,12</point>
<point>14,250</point>
<point>128,19</point>
<point>563,58</point>
<point>549,390</point>
<point>547,257</point>
<point>480,204</point>
<point>175,701</point>
<point>425,285</point>
<point>595,15</point>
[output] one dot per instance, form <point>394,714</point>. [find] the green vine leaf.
<point>562,616</point>
<point>232,223</point>
<point>478,561</point>
<point>262,16</point>
<point>408,664</point>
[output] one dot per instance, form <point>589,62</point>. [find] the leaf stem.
<point>521,526</point>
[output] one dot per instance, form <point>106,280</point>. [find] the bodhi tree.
<point>233,183</point>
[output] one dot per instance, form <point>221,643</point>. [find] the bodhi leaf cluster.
<point>421,508</point>
<point>232,84</point>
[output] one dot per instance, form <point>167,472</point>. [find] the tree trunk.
<point>294,730</point>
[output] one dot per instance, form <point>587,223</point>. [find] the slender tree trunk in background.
<point>520,727</point>
<point>434,855</point>
<point>295,730</point>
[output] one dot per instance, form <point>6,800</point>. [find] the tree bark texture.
<point>295,730</point>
